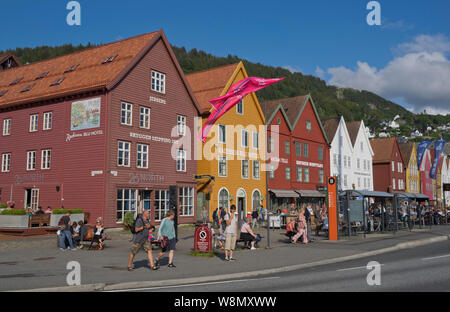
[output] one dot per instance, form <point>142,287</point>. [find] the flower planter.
<point>12,221</point>
<point>74,217</point>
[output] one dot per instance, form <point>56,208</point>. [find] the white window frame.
<point>142,156</point>
<point>255,140</point>
<point>132,200</point>
<point>222,133</point>
<point>299,172</point>
<point>222,159</point>
<point>126,112</point>
<point>46,158</point>
<point>271,171</point>
<point>186,200</point>
<point>393,166</point>
<point>244,137</point>
<point>181,125</point>
<point>158,82</point>
<point>48,120</point>
<point>321,176</point>
<point>241,105</point>
<point>161,204</point>
<point>181,160</point>
<point>144,117</point>
<point>345,180</point>
<point>256,171</point>
<point>242,169</point>
<point>6,162</point>
<point>308,125</point>
<point>34,119</point>
<point>287,173</point>
<point>7,127</point>
<point>306,175</point>
<point>125,153</point>
<point>393,183</point>
<point>31,160</point>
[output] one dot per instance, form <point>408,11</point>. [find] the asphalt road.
<point>425,268</point>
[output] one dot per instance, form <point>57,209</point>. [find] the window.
<point>256,172</point>
<point>358,163</point>
<point>305,150</point>
<point>31,160</point>
<point>41,75</point>
<point>181,160</point>
<point>298,149</point>
<point>271,145</point>
<point>181,125</point>
<point>244,138</point>
<point>359,183</point>
<point>256,200</point>
<point>222,134</point>
<point>57,82</point>
<point>127,114</point>
<point>287,147</point>
<point>126,201</point>
<point>16,81</point>
<point>34,199</point>
<point>47,121</point>
<point>46,158</point>
<point>288,173</point>
<point>6,162</point>
<point>144,117</point>
<point>345,161</point>
<point>400,167</point>
<point>255,140</point>
<point>109,59</point>
<point>161,204</point>
<point>271,172</point>
<point>186,200</point>
<point>240,108</point>
<point>393,166</point>
<point>244,168</point>
<point>3,92</point>
<point>7,127</point>
<point>321,154</point>
<point>28,88</point>
<point>123,155</point>
<point>321,177</point>
<point>223,198</point>
<point>345,180</point>
<point>308,125</point>
<point>393,184</point>
<point>142,156</point>
<point>222,166</point>
<point>335,159</point>
<point>362,146</point>
<point>34,123</point>
<point>306,175</point>
<point>299,174</point>
<point>71,68</point>
<point>158,82</point>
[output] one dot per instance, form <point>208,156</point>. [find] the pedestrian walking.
<point>254,218</point>
<point>215,218</point>
<point>308,213</point>
<point>301,225</point>
<point>65,231</point>
<point>222,215</point>
<point>231,220</point>
<point>166,232</point>
<point>140,240</point>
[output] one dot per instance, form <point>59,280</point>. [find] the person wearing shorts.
<point>140,240</point>
<point>231,220</point>
<point>167,228</point>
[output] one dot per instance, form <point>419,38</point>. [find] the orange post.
<point>332,209</point>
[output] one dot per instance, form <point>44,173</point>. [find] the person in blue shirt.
<point>167,229</point>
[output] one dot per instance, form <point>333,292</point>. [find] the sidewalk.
<point>37,263</point>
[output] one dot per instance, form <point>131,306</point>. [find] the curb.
<point>192,280</point>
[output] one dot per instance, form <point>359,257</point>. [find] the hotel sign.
<point>309,164</point>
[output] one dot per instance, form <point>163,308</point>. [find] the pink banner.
<point>234,95</point>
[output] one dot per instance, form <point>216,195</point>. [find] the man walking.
<point>308,212</point>
<point>65,232</point>
<point>222,215</point>
<point>140,240</point>
<point>254,217</point>
<point>216,218</point>
<point>231,220</point>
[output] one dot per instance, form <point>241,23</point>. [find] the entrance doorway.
<point>241,205</point>
<point>31,199</point>
<point>144,201</point>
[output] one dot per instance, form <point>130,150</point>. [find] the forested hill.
<point>330,101</point>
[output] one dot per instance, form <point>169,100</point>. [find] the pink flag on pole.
<point>234,95</point>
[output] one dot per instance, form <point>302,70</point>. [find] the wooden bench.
<point>40,220</point>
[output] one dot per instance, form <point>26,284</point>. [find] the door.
<point>241,209</point>
<point>144,200</point>
<point>31,199</point>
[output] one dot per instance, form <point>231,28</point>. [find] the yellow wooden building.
<point>409,154</point>
<point>231,163</point>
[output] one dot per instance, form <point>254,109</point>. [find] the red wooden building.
<point>389,171</point>
<point>98,130</point>
<point>296,134</point>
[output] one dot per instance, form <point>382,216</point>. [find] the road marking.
<point>431,258</point>
<point>188,285</point>
<point>355,268</point>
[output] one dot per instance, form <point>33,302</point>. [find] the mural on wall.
<point>85,114</point>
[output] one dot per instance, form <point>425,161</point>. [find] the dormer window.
<point>57,81</point>
<point>41,76</point>
<point>28,88</point>
<point>109,59</point>
<point>71,68</point>
<point>16,81</point>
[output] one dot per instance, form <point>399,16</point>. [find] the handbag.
<point>164,242</point>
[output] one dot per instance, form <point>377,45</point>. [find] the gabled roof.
<point>7,56</point>
<point>293,108</point>
<point>383,149</point>
<point>209,84</point>
<point>90,73</point>
<point>353,130</point>
<point>330,126</point>
<point>406,149</point>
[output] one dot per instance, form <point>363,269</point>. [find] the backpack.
<point>133,227</point>
<point>61,225</point>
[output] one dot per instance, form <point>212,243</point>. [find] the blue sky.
<point>322,37</point>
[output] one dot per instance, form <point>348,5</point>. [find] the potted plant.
<point>14,218</point>
<point>128,220</point>
<point>76,216</point>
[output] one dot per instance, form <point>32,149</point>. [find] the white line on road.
<point>431,258</point>
<point>201,284</point>
<point>355,268</point>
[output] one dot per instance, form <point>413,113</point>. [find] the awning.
<point>364,193</point>
<point>310,193</point>
<point>284,193</point>
<point>414,195</point>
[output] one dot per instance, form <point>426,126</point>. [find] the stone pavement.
<point>37,263</point>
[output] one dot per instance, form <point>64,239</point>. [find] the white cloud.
<point>292,69</point>
<point>320,72</point>
<point>420,78</point>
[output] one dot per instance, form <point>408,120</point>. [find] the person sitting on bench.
<point>98,233</point>
<point>247,234</point>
